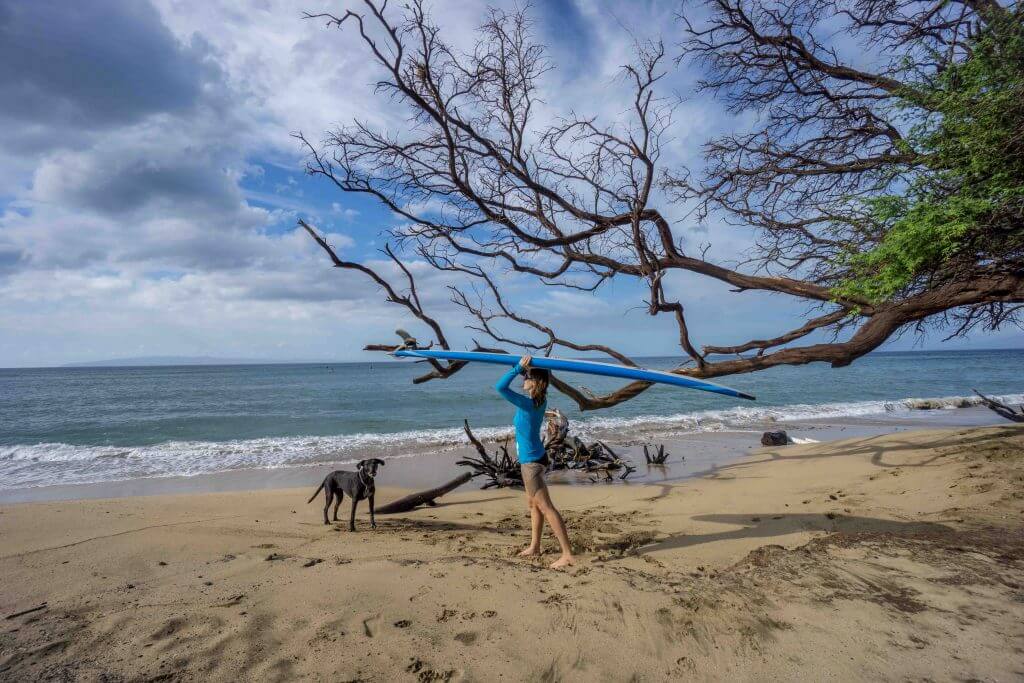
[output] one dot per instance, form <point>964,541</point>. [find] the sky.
<point>150,184</point>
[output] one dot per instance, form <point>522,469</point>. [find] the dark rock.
<point>775,438</point>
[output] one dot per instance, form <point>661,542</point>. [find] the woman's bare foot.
<point>563,561</point>
<point>530,552</point>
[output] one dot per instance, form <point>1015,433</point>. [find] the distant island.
<point>144,361</point>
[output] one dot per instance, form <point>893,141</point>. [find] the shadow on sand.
<point>856,447</point>
<point>769,525</point>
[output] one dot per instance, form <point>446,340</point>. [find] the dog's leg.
<point>328,497</point>
<point>373,521</point>
<point>337,502</point>
<point>352,519</point>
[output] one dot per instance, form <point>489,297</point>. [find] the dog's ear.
<point>380,462</point>
<point>361,465</point>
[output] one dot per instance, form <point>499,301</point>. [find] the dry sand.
<point>886,558</point>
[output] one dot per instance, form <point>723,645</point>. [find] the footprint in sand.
<point>466,637</point>
<point>420,668</point>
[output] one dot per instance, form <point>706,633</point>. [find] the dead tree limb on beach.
<point>844,168</point>
<point>571,453</point>
<point>501,470</point>
<point>1001,408</point>
<point>427,497</point>
<point>658,457</point>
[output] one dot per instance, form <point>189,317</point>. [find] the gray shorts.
<point>533,477</point>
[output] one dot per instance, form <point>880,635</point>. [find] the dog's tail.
<point>317,492</point>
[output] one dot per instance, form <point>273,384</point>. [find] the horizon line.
<point>223,362</point>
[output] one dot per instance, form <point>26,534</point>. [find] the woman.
<point>532,460</point>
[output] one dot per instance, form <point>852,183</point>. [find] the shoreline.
<point>692,454</point>
<point>872,557</point>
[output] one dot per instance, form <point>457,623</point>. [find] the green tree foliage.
<point>965,203</point>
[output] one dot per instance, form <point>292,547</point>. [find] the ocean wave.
<point>744,416</point>
<point>29,465</point>
<point>40,464</point>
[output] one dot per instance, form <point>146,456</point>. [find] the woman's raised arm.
<point>502,387</point>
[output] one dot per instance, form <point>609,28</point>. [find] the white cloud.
<point>136,215</point>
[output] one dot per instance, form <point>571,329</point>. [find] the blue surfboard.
<point>587,367</point>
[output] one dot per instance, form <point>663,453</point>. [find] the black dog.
<point>357,485</point>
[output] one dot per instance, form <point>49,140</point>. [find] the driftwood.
<point>23,612</point>
<point>598,458</point>
<point>557,428</point>
<point>415,500</point>
<point>502,469</point>
<point>1001,408</point>
<point>658,457</point>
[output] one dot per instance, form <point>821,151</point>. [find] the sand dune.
<point>885,558</point>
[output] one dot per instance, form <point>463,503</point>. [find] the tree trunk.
<point>423,497</point>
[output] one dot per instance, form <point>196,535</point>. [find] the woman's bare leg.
<point>542,501</point>
<point>536,527</point>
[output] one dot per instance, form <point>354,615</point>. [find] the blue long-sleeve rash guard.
<point>527,421</point>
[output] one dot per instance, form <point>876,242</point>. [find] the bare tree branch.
<point>488,192</point>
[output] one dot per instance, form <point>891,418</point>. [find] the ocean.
<point>88,425</point>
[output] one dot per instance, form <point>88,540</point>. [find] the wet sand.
<point>871,558</point>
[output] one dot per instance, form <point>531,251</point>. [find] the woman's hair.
<point>539,389</point>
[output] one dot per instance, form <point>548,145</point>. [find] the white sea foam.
<point>29,465</point>
<point>744,416</point>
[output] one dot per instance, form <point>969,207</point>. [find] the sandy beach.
<point>889,557</point>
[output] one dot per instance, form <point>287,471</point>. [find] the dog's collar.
<point>361,480</point>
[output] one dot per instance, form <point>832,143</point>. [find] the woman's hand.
<point>524,363</point>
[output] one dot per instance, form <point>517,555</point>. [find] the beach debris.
<point>775,438</point>
<point>313,561</point>
<point>1001,408</point>
<point>569,453</point>
<point>501,470</point>
<point>30,610</point>
<point>658,457</point>
<point>411,502</point>
<point>233,601</point>
<point>409,342</point>
<point>557,428</point>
